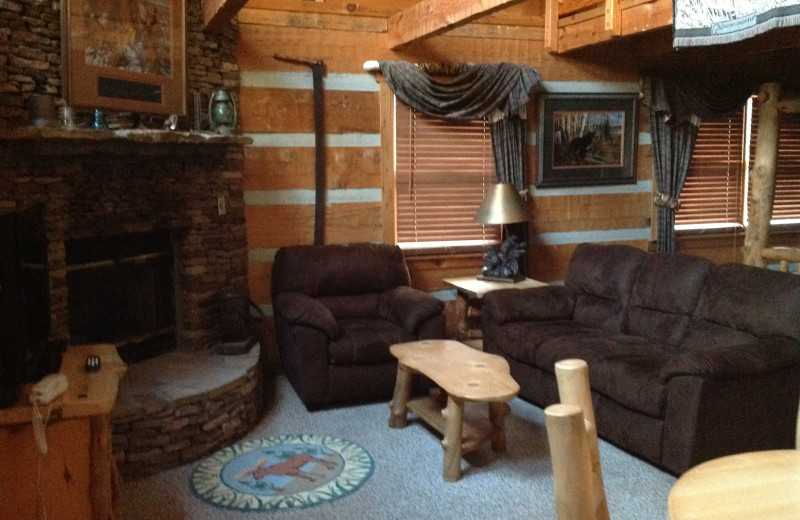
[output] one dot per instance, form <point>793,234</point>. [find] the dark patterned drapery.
<point>676,110</point>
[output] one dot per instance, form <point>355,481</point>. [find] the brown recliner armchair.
<point>337,310</point>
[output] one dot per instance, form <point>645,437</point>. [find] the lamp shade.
<point>502,205</point>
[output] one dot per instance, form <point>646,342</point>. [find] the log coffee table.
<point>464,374</point>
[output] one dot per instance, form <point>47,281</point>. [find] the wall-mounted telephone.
<point>50,387</point>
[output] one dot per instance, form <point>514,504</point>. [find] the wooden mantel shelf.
<point>133,136</point>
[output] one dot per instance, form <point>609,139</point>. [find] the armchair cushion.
<point>366,342</point>
<point>298,309</point>
<point>408,307</point>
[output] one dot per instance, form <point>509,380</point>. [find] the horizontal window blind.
<point>714,187</point>
<point>443,171</point>
<point>786,205</point>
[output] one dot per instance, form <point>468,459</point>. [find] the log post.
<point>762,176</point>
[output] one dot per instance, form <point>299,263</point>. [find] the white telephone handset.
<point>50,387</point>
<point>42,393</point>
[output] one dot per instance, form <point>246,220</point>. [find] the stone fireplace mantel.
<point>49,141</point>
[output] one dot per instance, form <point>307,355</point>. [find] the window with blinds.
<point>786,205</point>
<point>714,192</point>
<point>443,172</point>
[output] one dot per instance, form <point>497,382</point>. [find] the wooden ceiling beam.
<point>431,17</point>
<point>217,13</point>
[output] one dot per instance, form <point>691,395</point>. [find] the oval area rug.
<point>281,472</point>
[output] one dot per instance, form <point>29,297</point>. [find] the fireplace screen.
<point>121,291</point>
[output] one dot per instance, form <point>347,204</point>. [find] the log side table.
<point>469,293</point>
<point>464,374</point>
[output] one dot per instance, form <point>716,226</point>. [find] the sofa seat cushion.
<point>521,340</point>
<point>626,369</point>
<point>366,342</point>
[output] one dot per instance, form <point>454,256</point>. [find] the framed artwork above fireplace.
<point>125,55</point>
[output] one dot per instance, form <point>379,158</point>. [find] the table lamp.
<point>503,205</point>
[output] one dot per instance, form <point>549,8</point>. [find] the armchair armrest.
<point>409,307</point>
<point>730,361</point>
<point>547,303</point>
<point>300,309</point>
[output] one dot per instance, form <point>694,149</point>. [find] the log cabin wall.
<point>276,110</point>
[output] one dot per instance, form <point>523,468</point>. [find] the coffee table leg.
<point>497,416</point>
<point>453,426</point>
<point>402,393</point>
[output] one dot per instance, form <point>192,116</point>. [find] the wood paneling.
<point>281,168</point>
<point>345,35</point>
<point>292,111</point>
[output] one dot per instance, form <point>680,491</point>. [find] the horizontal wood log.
<point>312,20</point>
<point>292,111</point>
<point>568,7</point>
<point>502,32</point>
<point>430,17</point>
<point>591,212</point>
<point>378,8</point>
<point>276,226</point>
<point>282,168</point>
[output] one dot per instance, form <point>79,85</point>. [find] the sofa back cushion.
<point>665,296</point>
<point>602,276</point>
<point>751,299</point>
<point>339,269</point>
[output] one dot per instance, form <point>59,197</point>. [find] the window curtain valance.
<point>490,90</point>
<point>498,91</point>
<point>676,109</point>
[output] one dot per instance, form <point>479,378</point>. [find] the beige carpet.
<point>407,479</point>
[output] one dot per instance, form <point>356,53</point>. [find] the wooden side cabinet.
<point>469,293</point>
<point>77,478</point>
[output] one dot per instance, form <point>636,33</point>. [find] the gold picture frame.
<point>125,55</point>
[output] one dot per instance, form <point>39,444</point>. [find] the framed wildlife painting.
<point>586,139</point>
<point>125,55</point>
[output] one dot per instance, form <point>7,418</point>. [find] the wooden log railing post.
<point>762,176</point>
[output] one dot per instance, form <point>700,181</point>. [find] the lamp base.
<point>506,279</point>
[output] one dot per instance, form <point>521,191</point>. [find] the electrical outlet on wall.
<point>221,206</point>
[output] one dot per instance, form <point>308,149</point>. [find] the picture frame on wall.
<point>586,139</point>
<point>125,55</point>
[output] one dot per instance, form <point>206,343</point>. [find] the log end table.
<point>464,374</point>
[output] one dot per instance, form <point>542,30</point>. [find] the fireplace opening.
<point>121,291</point>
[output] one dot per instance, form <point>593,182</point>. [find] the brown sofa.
<point>688,360</point>
<point>337,310</point>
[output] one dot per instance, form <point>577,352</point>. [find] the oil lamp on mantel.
<point>222,113</point>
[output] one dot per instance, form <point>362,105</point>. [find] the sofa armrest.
<point>546,303</point>
<point>299,309</point>
<point>409,307</point>
<point>730,361</point>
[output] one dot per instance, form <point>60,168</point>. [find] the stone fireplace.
<point>125,214</point>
